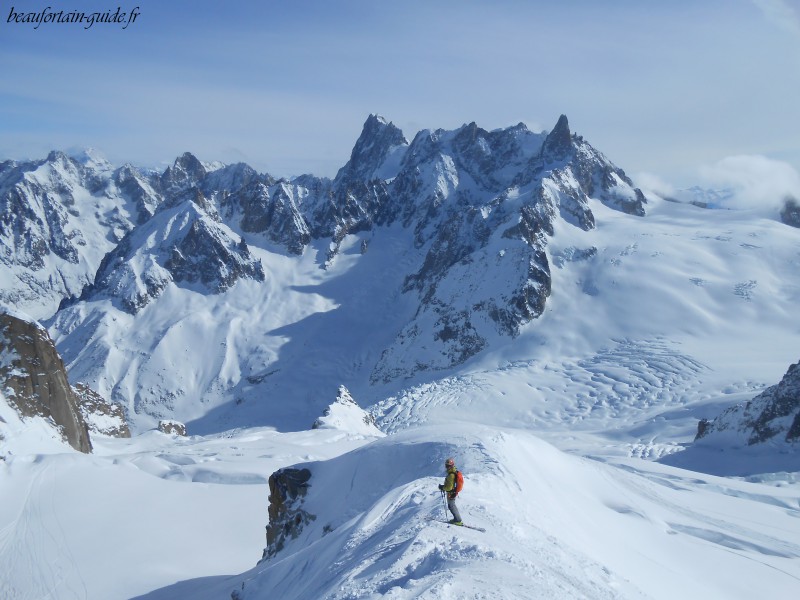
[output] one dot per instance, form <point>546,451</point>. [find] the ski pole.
<point>444,506</point>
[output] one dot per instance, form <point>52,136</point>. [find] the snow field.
<point>140,514</point>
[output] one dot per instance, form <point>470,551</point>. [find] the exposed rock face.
<point>287,491</point>
<point>187,172</point>
<point>172,427</point>
<point>100,415</point>
<point>35,381</point>
<point>558,144</point>
<point>485,203</point>
<point>772,416</point>
<point>370,158</point>
<point>137,187</point>
<point>790,213</point>
<point>274,212</point>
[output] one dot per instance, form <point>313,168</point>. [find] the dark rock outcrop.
<point>377,141</point>
<point>772,416</point>
<point>790,213</point>
<point>287,491</point>
<point>274,213</point>
<point>558,143</point>
<point>35,380</point>
<point>172,427</point>
<point>101,416</point>
<point>186,172</point>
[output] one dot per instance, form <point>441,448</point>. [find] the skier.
<point>451,488</point>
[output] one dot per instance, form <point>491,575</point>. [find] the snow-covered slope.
<point>557,527</point>
<point>183,244</point>
<point>172,517</point>
<point>758,434</point>
<point>713,288</point>
<point>138,514</point>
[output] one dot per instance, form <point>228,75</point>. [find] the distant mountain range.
<point>68,222</point>
<point>205,285</point>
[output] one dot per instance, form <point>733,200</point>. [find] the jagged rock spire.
<point>378,138</point>
<point>559,140</point>
<point>187,171</point>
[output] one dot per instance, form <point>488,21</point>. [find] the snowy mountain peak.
<point>471,213</point>
<point>345,414</point>
<point>180,244</point>
<point>187,171</point>
<point>91,158</point>
<point>57,156</point>
<point>377,152</point>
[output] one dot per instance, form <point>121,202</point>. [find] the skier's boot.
<point>454,522</point>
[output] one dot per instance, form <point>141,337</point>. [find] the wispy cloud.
<point>650,182</point>
<point>757,182</point>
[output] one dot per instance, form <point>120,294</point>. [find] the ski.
<point>481,529</point>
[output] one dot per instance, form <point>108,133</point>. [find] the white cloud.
<point>650,182</point>
<point>757,182</point>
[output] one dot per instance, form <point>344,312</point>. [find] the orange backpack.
<point>459,483</point>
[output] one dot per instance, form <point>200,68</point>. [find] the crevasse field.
<point>572,437</point>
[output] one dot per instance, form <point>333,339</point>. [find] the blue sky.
<point>668,89</point>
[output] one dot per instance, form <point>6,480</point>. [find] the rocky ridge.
<point>772,416</point>
<point>187,245</point>
<point>101,416</point>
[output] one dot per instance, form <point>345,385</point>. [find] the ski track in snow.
<point>27,543</point>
